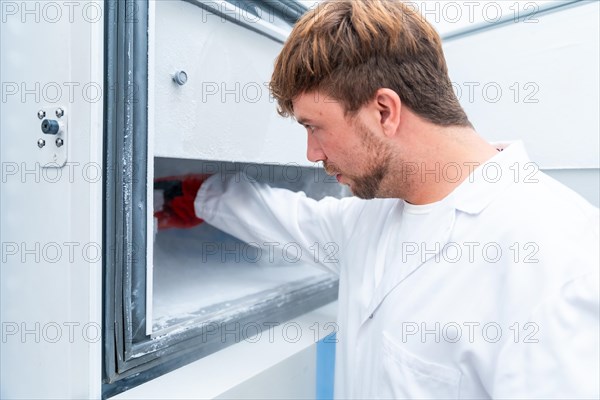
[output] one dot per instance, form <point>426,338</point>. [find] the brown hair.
<point>351,48</point>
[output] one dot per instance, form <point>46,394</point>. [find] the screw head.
<point>60,112</point>
<point>180,77</point>
<point>41,114</point>
<point>59,142</point>
<point>41,143</point>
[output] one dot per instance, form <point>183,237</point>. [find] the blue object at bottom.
<point>325,367</point>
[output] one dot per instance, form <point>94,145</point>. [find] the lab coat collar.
<point>488,180</point>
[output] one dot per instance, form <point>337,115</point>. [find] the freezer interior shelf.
<point>202,271</point>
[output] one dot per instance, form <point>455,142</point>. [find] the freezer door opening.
<point>202,274</point>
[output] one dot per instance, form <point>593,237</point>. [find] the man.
<point>461,275</point>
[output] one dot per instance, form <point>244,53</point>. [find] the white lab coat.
<point>416,320</point>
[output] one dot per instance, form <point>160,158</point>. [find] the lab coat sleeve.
<point>558,355</point>
<point>281,219</point>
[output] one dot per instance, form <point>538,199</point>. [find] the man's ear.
<point>388,105</point>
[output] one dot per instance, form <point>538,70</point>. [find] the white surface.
<point>555,65</point>
<point>238,364</point>
<point>202,267</point>
<point>224,111</point>
<point>586,182</point>
<point>292,378</point>
<point>51,291</point>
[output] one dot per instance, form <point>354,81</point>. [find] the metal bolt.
<point>59,142</point>
<point>41,114</point>
<point>60,112</point>
<point>180,77</point>
<point>41,143</point>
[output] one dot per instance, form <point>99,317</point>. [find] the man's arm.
<point>255,212</point>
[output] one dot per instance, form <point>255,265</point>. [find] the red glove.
<point>179,194</point>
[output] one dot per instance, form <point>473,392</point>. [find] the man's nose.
<point>314,152</point>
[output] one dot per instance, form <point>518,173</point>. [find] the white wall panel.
<point>51,218</point>
<point>224,112</point>
<point>586,182</point>
<point>537,82</point>
<point>452,17</point>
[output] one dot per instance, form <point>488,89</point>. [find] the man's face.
<point>348,148</point>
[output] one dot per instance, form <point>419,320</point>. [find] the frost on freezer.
<point>203,271</point>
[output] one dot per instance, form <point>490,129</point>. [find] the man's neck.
<point>447,159</point>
